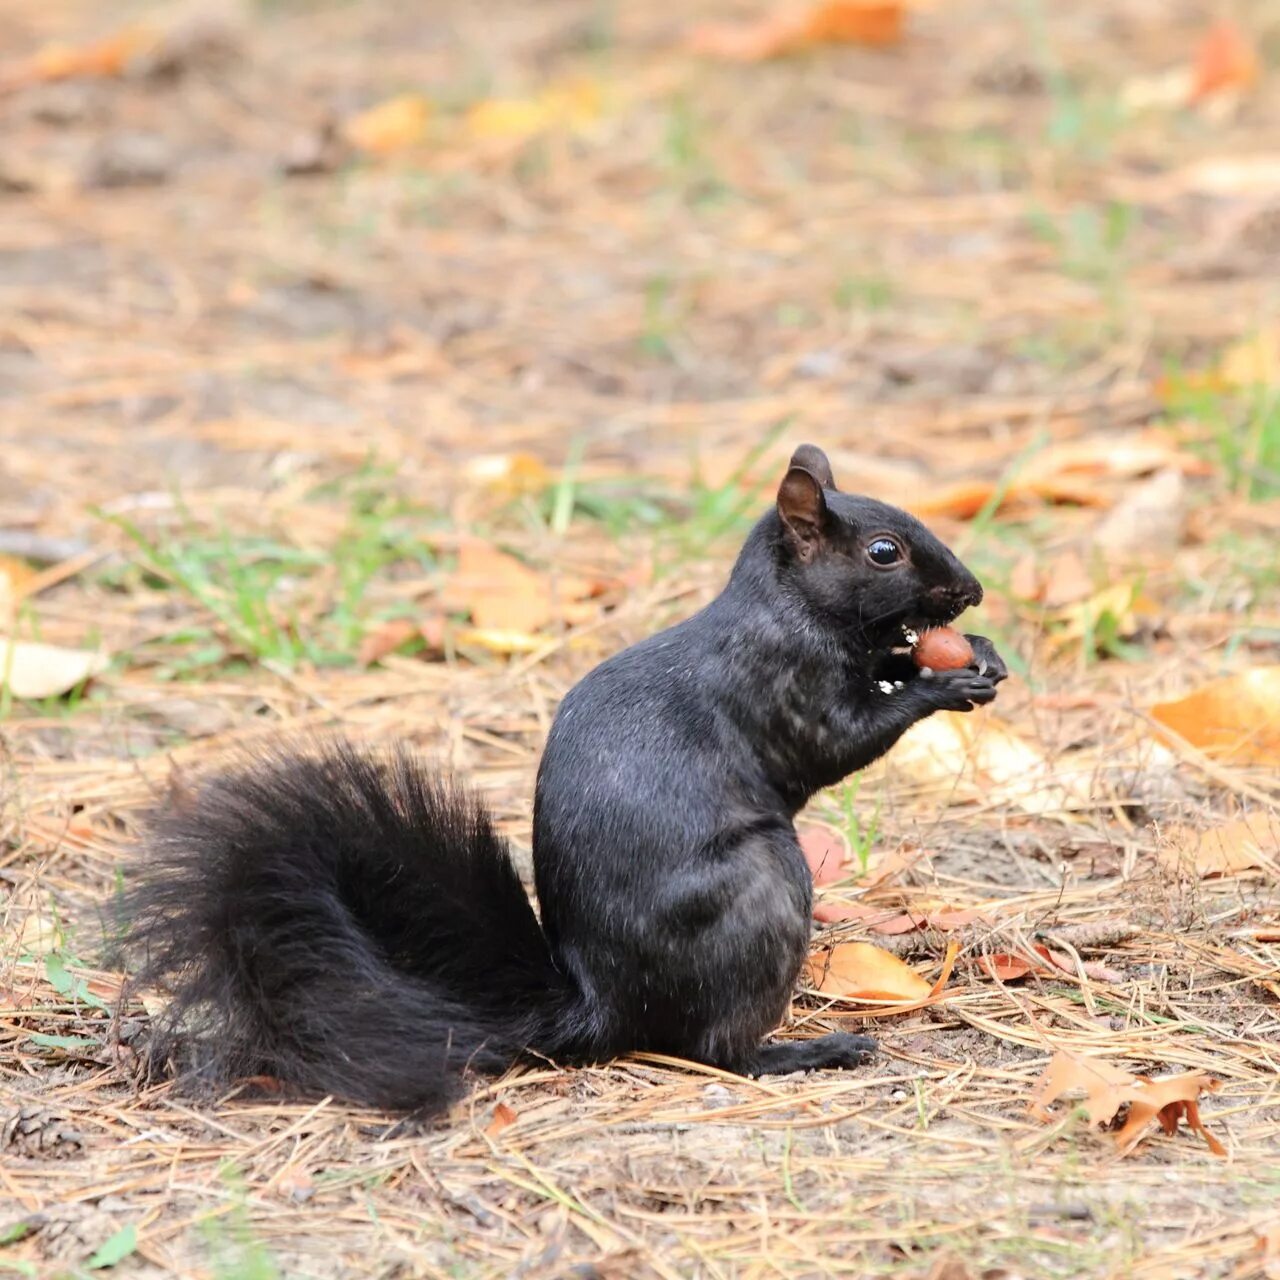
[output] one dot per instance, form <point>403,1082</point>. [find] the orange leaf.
<point>16,577</point>
<point>1102,1083</point>
<point>392,125</point>
<point>1224,60</point>
<point>107,57</point>
<point>506,597</point>
<point>1166,1101</point>
<point>869,22</point>
<point>1108,1088</point>
<point>861,971</point>
<point>1223,851</point>
<point>1235,719</point>
<point>386,639</point>
<point>1004,966</point>
<point>503,1117</point>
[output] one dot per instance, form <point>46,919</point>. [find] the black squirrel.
<point>351,924</point>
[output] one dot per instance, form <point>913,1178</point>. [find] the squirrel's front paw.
<point>959,690</point>
<point>986,661</point>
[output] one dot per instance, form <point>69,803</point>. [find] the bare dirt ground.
<point>257,388</point>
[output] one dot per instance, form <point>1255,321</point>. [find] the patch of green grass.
<point>235,1253</point>
<point>869,292</point>
<point>1242,431</point>
<point>862,835</point>
<point>686,157</point>
<point>270,601</point>
<point>1091,241</point>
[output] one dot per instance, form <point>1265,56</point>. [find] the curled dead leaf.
<point>1108,1089</point>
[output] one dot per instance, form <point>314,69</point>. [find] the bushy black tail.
<point>347,924</point>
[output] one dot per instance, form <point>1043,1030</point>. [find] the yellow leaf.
<point>1254,362</point>
<point>1236,719</point>
<point>511,474</point>
<point>390,126</point>
<point>16,577</point>
<point>495,640</point>
<point>561,106</point>
<point>32,670</point>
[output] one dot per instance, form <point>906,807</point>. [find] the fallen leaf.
<point>389,126</point>
<point>509,474</point>
<point>861,971</point>
<point>1252,362</point>
<point>1165,1102</point>
<point>975,757</point>
<point>1221,851</point>
<point>1225,59</point>
<point>497,640</point>
<point>16,577</point>
<point>31,670</point>
<point>1108,1089</point>
<point>99,59</point>
<point>826,851</point>
<point>1102,1083</point>
<point>1006,966</point>
<point>503,1117</point>
<point>1065,473</point>
<point>386,639</point>
<point>559,106</point>
<point>503,595</point>
<point>1235,719</point>
<point>789,30</point>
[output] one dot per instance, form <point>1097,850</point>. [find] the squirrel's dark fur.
<point>350,924</point>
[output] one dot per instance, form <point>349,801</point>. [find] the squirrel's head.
<point>870,569</point>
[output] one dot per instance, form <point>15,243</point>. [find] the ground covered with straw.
<point>387,366</point>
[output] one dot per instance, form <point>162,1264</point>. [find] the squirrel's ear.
<point>802,510</point>
<point>811,459</point>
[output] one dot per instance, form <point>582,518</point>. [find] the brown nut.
<point>942,649</point>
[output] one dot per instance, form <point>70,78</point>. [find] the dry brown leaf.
<point>389,126</point>
<point>1108,1089</point>
<point>1235,719</point>
<point>1225,59</point>
<point>826,851</point>
<point>1102,1083</point>
<point>31,670</point>
<point>1222,851</point>
<point>1007,966</point>
<point>791,29</point>
<point>504,596</point>
<point>1166,1102</point>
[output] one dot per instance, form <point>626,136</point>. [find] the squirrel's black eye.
<point>884,552</point>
